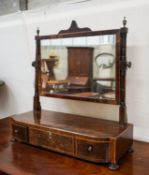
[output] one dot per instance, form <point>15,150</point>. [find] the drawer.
<point>20,132</point>
<point>92,150</point>
<point>52,140</point>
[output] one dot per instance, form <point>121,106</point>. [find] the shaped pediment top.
<point>74,29</point>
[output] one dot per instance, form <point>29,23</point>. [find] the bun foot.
<point>113,166</point>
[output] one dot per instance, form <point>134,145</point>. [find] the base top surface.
<point>80,125</point>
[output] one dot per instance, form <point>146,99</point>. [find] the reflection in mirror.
<point>82,67</point>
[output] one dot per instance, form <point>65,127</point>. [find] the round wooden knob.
<point>16,131</point>
<point>90,148</point>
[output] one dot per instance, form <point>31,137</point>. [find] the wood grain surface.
<point>20,159</point>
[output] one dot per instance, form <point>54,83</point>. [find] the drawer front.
<point>92,150</point>
<point>52,140</point>
<point>20,132</point>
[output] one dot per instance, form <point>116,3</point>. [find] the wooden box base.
<point>91,139</point>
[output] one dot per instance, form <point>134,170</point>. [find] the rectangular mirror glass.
<point>80,67</point>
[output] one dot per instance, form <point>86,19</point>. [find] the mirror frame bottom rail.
<point>73,97</point>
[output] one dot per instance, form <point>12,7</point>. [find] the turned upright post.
<point>37,65</point>
<point>123,67</point>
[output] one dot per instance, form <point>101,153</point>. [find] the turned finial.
<point>38,31</point>
<point>124,22</point>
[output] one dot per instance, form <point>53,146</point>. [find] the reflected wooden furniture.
<point>91,139</point>
<point>50,63</point>
<point>80,62</point>
<point>47,72</point>
<point>78,84</point>
<point>57,85</point>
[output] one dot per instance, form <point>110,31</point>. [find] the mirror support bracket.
<point>37,65</point>
<point>123,67</point>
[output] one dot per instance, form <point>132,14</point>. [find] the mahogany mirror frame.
<point>121,65</point>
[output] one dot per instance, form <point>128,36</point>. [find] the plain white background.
<point>17,51</point>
